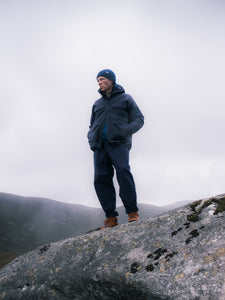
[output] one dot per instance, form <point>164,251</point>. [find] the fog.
<point>169,55</point>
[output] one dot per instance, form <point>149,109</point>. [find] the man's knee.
<point>124,169</point>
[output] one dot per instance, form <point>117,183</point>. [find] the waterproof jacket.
<point>118,117</point>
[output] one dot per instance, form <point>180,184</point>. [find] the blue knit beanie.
<point>107,73</point>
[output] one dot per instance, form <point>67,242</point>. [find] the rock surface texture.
<point>177,255</point>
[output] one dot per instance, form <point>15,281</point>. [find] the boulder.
<point>177,255</point>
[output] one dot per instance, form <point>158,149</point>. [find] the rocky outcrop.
<point>177,255</point>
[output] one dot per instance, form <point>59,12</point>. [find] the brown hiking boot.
<point>133,216</point>
<point>110,222</point>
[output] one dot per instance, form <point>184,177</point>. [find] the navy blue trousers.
<point>106,160</point>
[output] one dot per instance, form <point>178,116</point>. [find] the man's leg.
<point>103,182</point>
<point>120,158</point>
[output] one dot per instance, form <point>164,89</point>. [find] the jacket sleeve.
<point>135,117</point>
<point>92,118</point>
<point>90,131</point>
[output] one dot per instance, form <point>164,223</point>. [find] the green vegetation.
<point>220,202</point>
<point>220,205</point>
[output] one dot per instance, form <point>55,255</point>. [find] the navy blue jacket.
<point>119,115</point>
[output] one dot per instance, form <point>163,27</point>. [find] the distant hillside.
<point>27,222</point>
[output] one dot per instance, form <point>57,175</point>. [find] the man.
<point>115,117</point>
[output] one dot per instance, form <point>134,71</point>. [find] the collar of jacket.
<point>117,89</point>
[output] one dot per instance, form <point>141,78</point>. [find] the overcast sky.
<point>169,55</point>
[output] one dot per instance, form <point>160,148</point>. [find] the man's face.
<point>105,84</point>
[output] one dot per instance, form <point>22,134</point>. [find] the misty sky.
<point>169,55</point>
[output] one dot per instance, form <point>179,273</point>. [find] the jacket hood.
<point>117,89</point>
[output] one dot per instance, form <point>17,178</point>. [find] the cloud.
<point>168,56</point>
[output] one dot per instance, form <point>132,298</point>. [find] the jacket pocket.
<point>119,131</point>
<point>93,135</point>
<point>119,110</point>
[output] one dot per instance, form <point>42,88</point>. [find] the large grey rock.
<point>177,255</point>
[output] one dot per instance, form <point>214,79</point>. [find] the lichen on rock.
<point>171,256</point>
